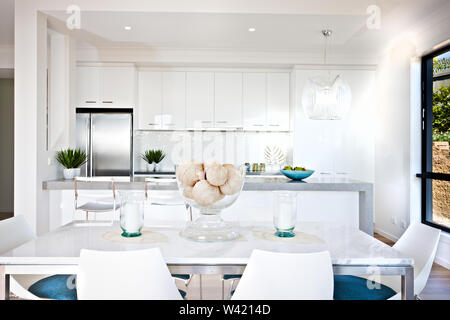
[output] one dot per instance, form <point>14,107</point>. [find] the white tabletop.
<point>347,246</point>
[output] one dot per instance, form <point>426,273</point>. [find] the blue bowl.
<point>297,175</point>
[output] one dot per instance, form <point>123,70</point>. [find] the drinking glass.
<point>285,213</point>
<point>132,213</point>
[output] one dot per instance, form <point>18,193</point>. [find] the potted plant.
<point>148,157</point>
<point>71,160</point>
<point>153,159</point>
<point>158,156</point>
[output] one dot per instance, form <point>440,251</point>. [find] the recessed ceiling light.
<point>251,29</point>
<point>128,28</point>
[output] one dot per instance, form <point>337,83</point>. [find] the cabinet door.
<point>174,100</point>
<point>117,86</point>
<point>278,101</point>
<point>228,100</point>
<point>150,100</point>
<point>254,100</point>
<point>88,80</point>
<point>200,99</point>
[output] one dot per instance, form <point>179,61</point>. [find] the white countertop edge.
<point>4,260</point>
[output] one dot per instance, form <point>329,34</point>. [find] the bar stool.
<point>100,201</point>
<point>171,201</point>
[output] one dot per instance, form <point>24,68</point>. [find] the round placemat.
<point>146,237</point>
<point>300,237</point>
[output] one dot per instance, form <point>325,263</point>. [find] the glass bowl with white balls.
<point>210,187</point>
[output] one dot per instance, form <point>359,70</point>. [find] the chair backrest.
<point>135,275</point>
<point>13,233</point>
<point>286,276</point>
<point>419,242</point>
<point>94,195</point>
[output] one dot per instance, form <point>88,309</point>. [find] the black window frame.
<point>427,174</point>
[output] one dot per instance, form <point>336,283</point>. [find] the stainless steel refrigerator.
<point>107,137</point>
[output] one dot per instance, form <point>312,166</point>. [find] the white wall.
<point>343,148</point>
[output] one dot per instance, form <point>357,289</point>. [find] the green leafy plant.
<point>71,158</point>
<point>441,113</point>
<point>155,156</point>
<point>158,156</point>
<point>442,137</point>
<point>148,156</point>
<point>441,64</point>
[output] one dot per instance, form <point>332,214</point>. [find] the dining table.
<point>352,251</point>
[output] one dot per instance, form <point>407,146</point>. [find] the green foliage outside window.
<point>441,64</point>
<point>441,114</point>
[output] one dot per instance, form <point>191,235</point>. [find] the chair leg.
<point>201,287</point>
<point>231,288</point>
<point>223,289</point>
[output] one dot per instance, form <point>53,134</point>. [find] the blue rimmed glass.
<point>285,213</point>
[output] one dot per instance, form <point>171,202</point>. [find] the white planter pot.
<point>69,174</point>
<point>157,166</point>
<point>150,167</point>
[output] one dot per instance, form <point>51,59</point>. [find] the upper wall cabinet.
<point>179,100</point>
<point>228,100</point>
<point>278,101</point>
<point>173,100</point>
<point>149,100</point>
<point>200,99</point>
<point>112,86</point>
<point>254,101</point>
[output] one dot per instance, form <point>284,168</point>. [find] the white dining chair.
<point>125,275</point>
<point>13,233</point>
<point>287,276</point>
<point>419,242</point>
<point>95,201</point>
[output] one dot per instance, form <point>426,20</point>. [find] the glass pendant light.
<point>326,97</point>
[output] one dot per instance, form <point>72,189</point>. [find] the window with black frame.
<point>436,138</point>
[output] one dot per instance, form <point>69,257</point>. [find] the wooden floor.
<point>438,285</point>
<point>5,215</point>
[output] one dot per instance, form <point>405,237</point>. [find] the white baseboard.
<point>385,234</point>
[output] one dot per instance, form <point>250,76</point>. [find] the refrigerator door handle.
<point>91,156</point>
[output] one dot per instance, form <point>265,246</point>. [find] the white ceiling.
<point>6,22</point>
<point>274,32</point>
<point>280,32</point>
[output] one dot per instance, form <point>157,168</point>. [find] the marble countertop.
<point>252,183</point>
<point>347,245</point>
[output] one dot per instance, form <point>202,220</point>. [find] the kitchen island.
<point>252,183</point>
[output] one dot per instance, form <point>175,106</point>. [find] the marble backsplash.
<point>227,146</point>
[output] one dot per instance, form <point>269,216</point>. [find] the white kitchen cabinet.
<point>117,86</point>
<point>228,100</point>
<point>254,101</point>
<point>278,101</point>
<point>173,100</point>
<point>149,100</point>
<point>88,84</point>
<point>199,99</point>
<point>106,86</point>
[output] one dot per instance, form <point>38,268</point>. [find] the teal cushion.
<point>183,293</point>
<point>55,287</point>
<point>355,288</point>
<point>182,276</point>
<point>231,276</point>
